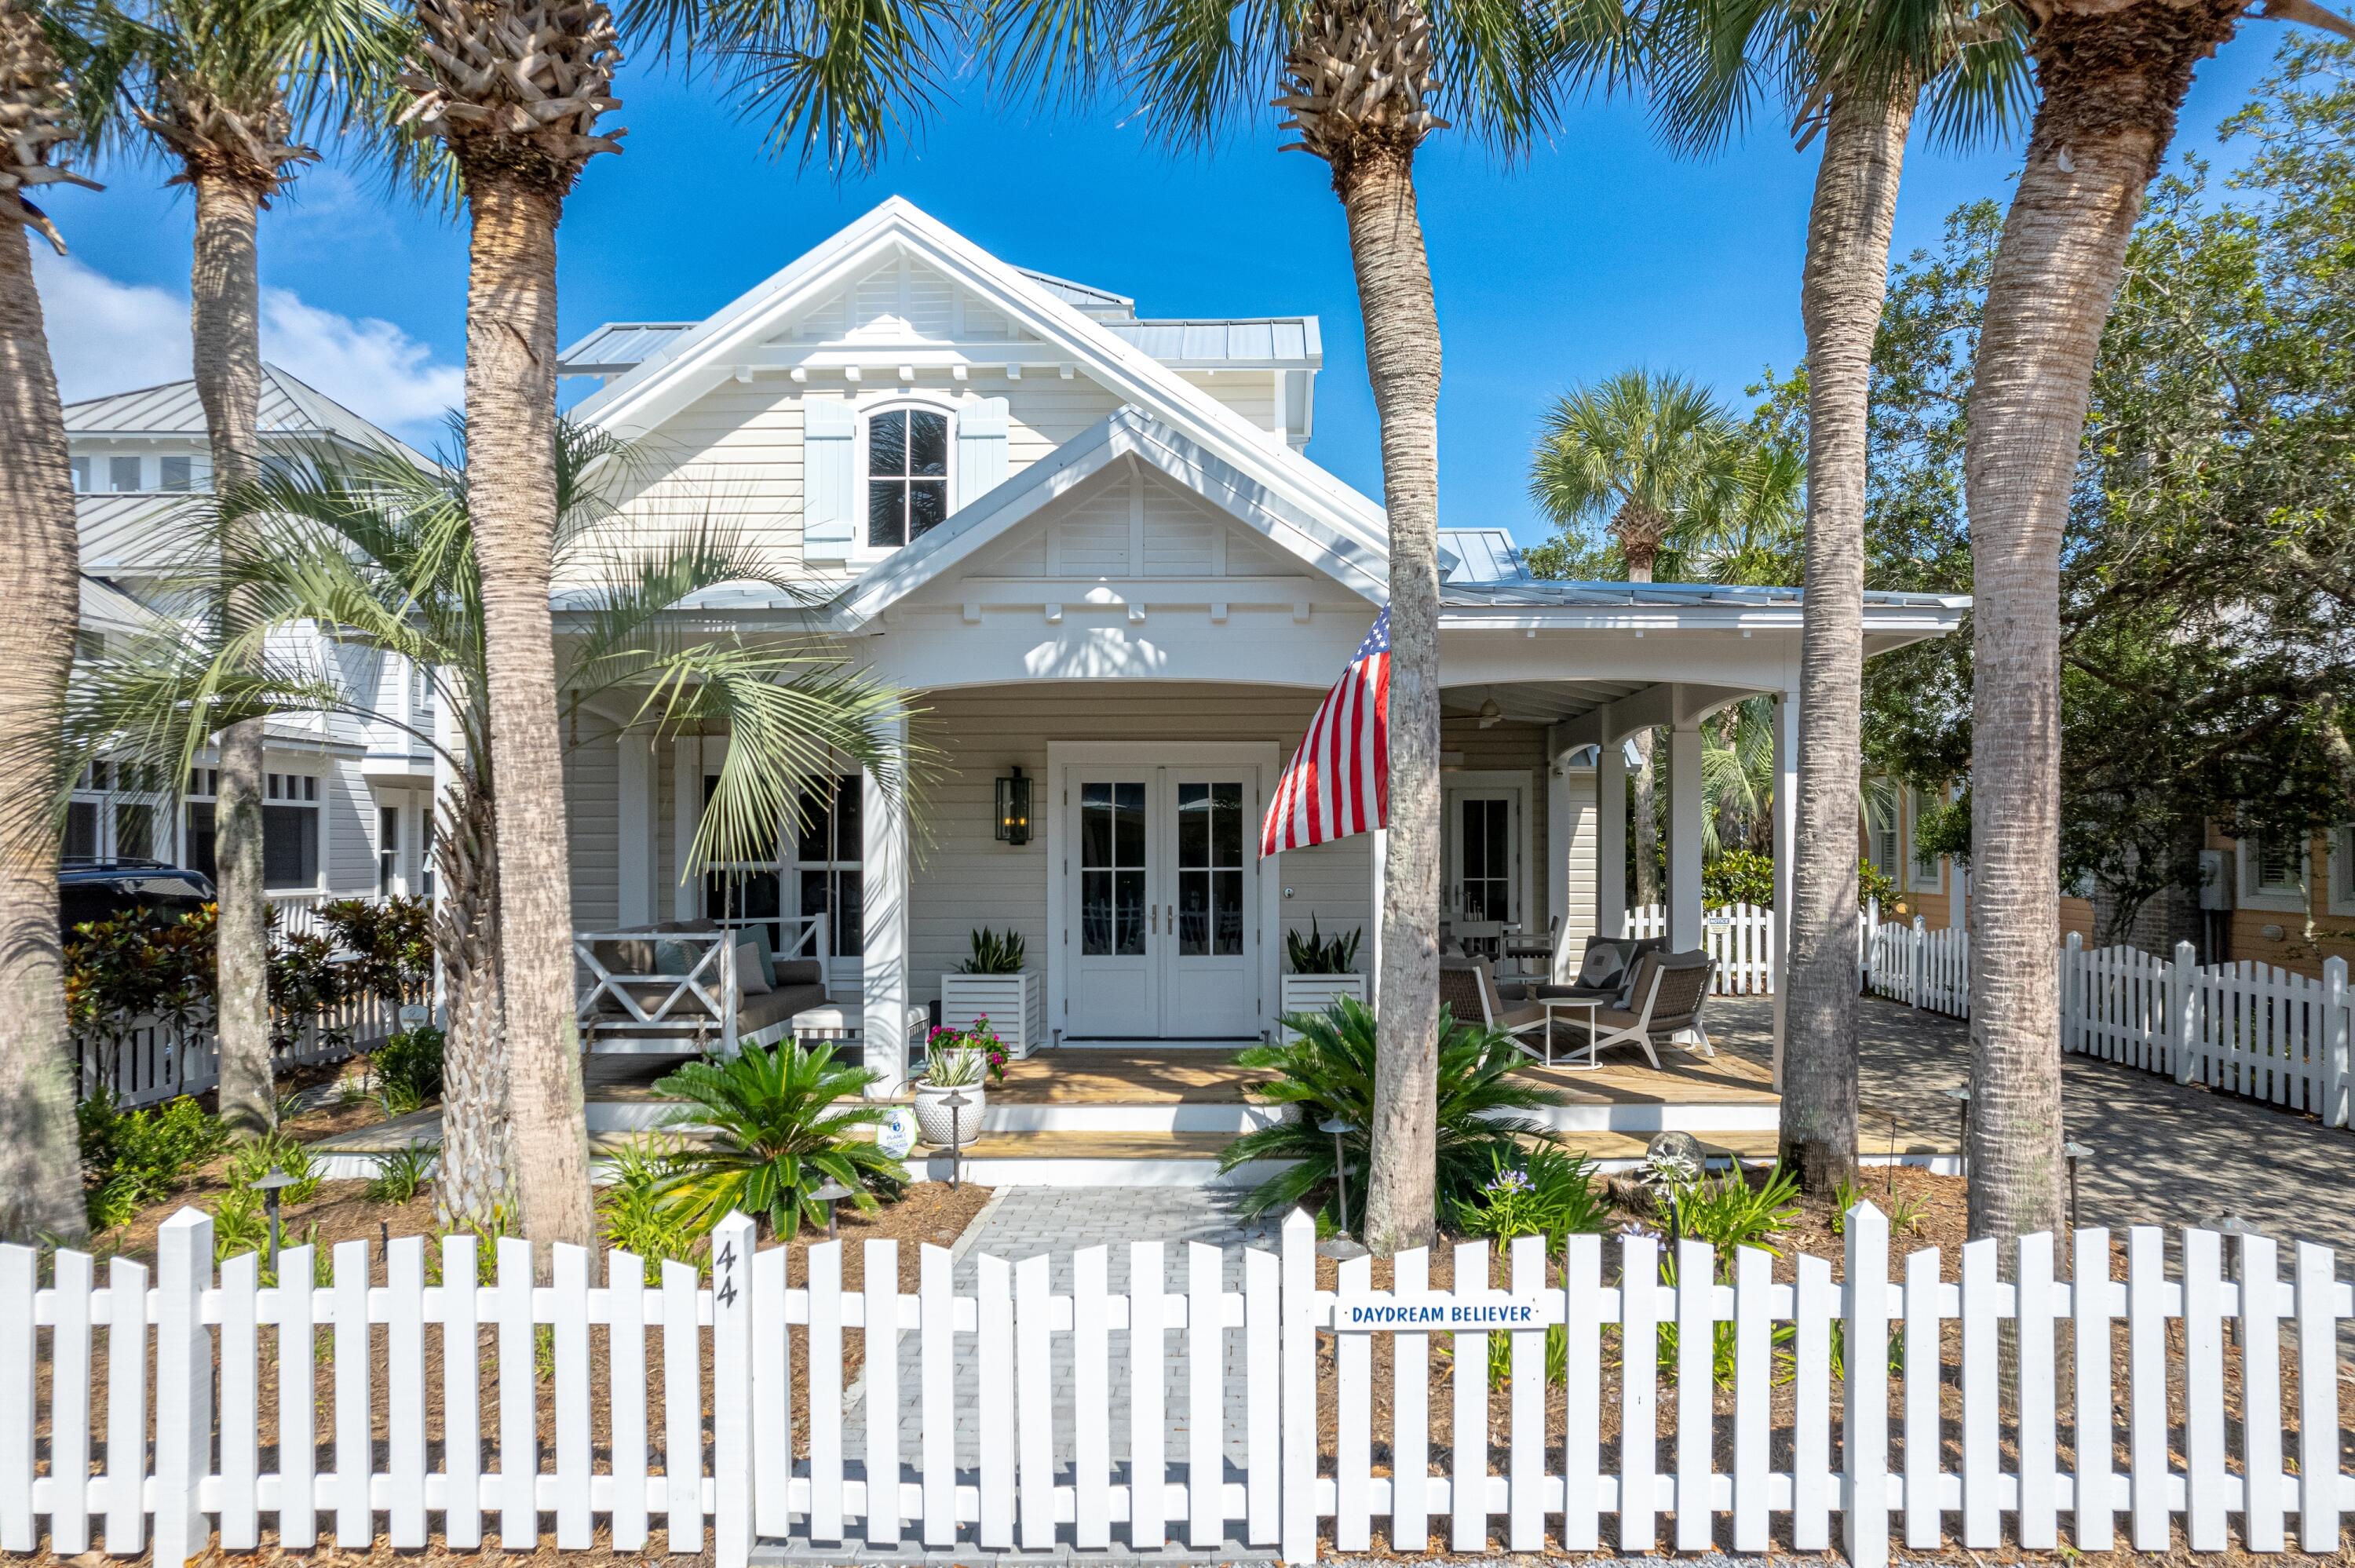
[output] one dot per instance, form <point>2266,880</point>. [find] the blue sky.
<point>1596,252</point>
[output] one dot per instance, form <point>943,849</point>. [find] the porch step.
<point>1067,1158</point>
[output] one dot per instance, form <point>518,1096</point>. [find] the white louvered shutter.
<point>981,449</point>
<point>829,509</point>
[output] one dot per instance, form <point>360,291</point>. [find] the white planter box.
<point>1314,993</point>
<point>1015,1006</point>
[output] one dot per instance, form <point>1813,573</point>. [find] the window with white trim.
<point>1921,866</point>
<point>1881,848</point>
<point>907,469</point>
<point>112,814</point>
<point>2272,867</point>
<point>818,870</point>
<point>2343,869</point>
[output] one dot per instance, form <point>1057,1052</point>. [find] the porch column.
<point>1379,840</point>
<point>884,1006</point>
<point>1684,838</point>
<point>1786,839</point>
<point>1561,831</point>
<point>634,838</point>
<point>1611,837</point>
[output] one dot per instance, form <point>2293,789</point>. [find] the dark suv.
<point>101,889</point>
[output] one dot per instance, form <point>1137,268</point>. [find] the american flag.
<point>1339,780</point>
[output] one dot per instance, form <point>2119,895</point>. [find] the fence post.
<point>2072,985</point>
<point>1864,1469</point>
<point>1919,959</point>
<point>2337,1067</point>
<point>184,1385</point>
<point>2183,1009</point>
<point>1299,1379</point>
<point>731,1397</point>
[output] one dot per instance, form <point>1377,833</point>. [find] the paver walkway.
<point>2163,1152</point>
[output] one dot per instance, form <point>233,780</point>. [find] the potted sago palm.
<point>993,984</point>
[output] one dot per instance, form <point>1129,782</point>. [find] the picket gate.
<point>190,1349</point>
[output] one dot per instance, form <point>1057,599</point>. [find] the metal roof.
<point>289,410</point>
<point>617,346</point>
<point>1270,341</point>
<point>1540,592</point>
<point>1088,301</point>
<point>136,532</point>
<point>105,607</point>
<point>1479,556</point>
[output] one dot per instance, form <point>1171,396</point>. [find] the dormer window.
<point>906,475</point>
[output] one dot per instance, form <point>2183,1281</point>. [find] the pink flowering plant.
<point>976,1036</point>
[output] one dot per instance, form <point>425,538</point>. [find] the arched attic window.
<point>879,476</point>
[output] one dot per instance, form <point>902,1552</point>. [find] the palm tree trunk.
<point>2111,83</point>
<point>40,1163</point>
<point>511,463</point>
<point>1376,191</point>
<point>225,320</point>
<point>1841,294</point>
<point>475,1187</point>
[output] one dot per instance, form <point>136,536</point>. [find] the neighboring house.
<point>347,806</point>
<point>1094,545</point>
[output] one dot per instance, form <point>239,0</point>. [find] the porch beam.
<point>885,999</point>
<point>1684,837</point>
<point>1667,705</point>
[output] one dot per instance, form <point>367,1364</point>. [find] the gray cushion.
<point>800,971</point>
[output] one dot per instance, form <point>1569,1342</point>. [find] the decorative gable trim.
<point>1301,531</point>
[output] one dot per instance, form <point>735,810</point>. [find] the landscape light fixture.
<point>957,1101</point>
<point>2072,1151</point>
<point>269,1186</point>
<point>830,1192</point>
<point>1341,1246</point>
<point>1014,809</point>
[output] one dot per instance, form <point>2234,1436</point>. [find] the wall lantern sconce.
<point>1014,809</point>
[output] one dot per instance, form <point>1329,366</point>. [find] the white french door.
<point>1482,875</point>
<point>1161,936</point>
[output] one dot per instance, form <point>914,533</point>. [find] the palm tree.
<point>515,89</point>
<point>1643,454</point>
<point>225,90</point>
<point>384,554</point>
<point>40,1165</point>
<point>1854,71</point>
<point>2111,78</point>
<point>1364,83</point>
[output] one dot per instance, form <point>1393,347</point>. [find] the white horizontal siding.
<point>591,801</point>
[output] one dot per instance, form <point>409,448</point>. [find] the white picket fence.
<point>1739,936</point>
<point>1913,964</point>
<point>2248,1029</point>
<point>997,1485</point>
<point>147,1061</point>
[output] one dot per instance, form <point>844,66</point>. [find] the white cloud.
<point>106,335</point>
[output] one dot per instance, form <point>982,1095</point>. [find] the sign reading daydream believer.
<point>1446,1314</point>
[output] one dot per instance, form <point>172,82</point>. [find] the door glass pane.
<point>1111,870</point>
<point>1210,874</point>
<point>1488,858</point>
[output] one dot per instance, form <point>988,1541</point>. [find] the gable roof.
<point>289,410</point>
<point>700,359</point>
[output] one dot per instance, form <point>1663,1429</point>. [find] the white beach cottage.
<point>1093,542</point>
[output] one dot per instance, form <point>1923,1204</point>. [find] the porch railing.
<point>703,1000</point>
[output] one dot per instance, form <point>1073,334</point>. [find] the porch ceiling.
<point>1539,701</point>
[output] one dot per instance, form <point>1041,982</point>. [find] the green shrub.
<point>401,1174</point>
<point>250,1163</point>
<point>240,1223</point>
<point>1739,876</point>
<point>994,954</point>
<point>1728,1213</point>
<point>407,1069</point>
<point>639,1210</point>
<point>1315,954</point>
<point>141,1157</point>
<point>1538,1191</point>
<point>782,1121</point>
<point>1327,1069</point>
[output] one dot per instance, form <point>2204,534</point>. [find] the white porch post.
<point>1611,837</point>
<point>1786,839</point>
<point>1380,839</point>
<point>1560,831</point>
<point>633,812</point>
<point>884,1004</point>
<point>1684,838</point>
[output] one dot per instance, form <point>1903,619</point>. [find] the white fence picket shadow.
<point>1735,1478</point>
<point>1740,937</point>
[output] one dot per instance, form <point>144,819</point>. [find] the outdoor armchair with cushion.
<point>1469,987</point>
<point>1604,973</point>
<point>1664,1001</point>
